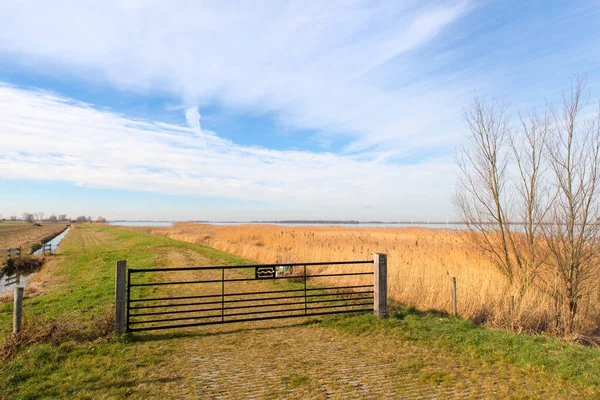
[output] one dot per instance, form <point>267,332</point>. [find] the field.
<point>24,234</point>
<point>67,352</point>
<point>421,263</point>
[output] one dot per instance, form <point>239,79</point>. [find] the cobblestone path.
<point>302,359</point>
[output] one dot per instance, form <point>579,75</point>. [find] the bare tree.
<point>13,217</point>
<point>81,219</point>
<point>573,231</point>
<point>62,217</point>
<point>28,217</point>
<point>101,220</point>
<point>480,194</point>
<point>490,201</point>
<point>52,218</point>
<point>531,199</point>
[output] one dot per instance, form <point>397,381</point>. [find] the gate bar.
<point>248,320</point>
<point>217,267</point>
<point>250,313</point>
<point>251,306</point>
<point>250,293</point>
<point>244,279</point>
<point>247,300</point>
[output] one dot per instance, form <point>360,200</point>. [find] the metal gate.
<point>165,298</point>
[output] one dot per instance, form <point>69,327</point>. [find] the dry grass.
<point>57,331</point>
<point>24,234</point>
<point>420,265</point>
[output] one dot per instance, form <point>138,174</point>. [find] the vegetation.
<point>23,264</point>
<point>67,351</point>
<point>29,237</point>
<point>420,264</point>
<point>531,199</point>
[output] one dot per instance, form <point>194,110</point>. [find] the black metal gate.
<point>164,298</point>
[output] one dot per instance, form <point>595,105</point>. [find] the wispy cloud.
<point>46,137</point>
<point>314,64</point>
<point>192,116</point>
<point>385,80</point>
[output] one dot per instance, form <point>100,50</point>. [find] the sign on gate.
<point>264,272</point>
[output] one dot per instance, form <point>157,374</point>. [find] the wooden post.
<point>18,310</point>
<point>380,285</point>
<point>454,309</point>
<point>120,297</point>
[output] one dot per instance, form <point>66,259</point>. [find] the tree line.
<point>39,217</point>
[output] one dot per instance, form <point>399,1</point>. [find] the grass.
<point>561,360</point>
<point>420,265</point>
<point>81,289</point>
<point>412,350</point>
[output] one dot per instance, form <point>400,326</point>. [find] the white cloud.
<point>315,63</point>
<point>46,137</point>
<point>192,116</point>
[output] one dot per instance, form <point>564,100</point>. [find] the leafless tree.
<point>101,220</point>
<point>52,218</point>
<point>81,219</point>
<point>531,197</point>
<point>490,201</point>
<point>13,217</point>
<point>573,229</point>
<point>62,217</point>
<point>28,217</point>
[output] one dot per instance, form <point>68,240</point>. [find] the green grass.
<point>82,290</point>
<point>558,359</point>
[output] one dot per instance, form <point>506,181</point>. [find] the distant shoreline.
<point>300,222</point>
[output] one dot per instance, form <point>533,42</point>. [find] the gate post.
<point>380,285</point>
<point>120,284</point>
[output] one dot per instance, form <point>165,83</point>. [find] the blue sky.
<point>265,110</point>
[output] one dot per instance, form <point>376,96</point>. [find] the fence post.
<point>18,310</point>
<point>454,309</point>
<point>380,285</point>
<point>120,284</point>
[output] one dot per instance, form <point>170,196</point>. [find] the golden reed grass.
<point>421,263</point>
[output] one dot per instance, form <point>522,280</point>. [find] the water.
<point>436,225</point>
<point>141,223</point>
<point>8,282</point>
<point>54,242</point>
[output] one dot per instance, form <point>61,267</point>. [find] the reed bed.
<point>421,263</point>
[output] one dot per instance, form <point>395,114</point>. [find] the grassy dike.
<point>80,290</point>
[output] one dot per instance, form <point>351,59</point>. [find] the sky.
<point>262,110</point>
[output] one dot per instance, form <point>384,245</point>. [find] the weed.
<point>57,331</point>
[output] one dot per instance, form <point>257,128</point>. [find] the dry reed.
<point>421,263</point>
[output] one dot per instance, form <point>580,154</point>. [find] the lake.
<point>365,225</point>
